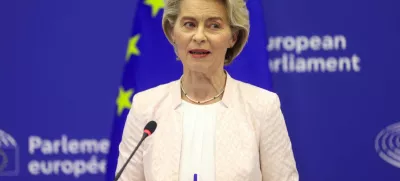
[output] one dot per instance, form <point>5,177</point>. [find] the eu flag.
<point>150,61</point>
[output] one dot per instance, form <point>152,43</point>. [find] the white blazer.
<point>252,142</point>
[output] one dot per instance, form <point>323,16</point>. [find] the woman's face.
<point>202,35</point>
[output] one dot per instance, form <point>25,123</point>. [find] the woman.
<point>209,124</point>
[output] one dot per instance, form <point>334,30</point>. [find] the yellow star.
<point>132,47</point>
<point>156,5</point>
<point>124,100</point>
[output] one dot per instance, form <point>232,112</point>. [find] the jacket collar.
<point>230,88</point>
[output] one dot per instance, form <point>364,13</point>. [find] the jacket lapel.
<point>167,139</point>
<point>224,136</point>
<point>236,149</point>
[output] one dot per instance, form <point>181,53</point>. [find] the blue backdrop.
<point>334,65</point>
<point>60,66</point>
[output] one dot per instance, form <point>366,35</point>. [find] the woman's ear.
<point>172,36</point>
<point>234,38</point>
<point>171,33</point>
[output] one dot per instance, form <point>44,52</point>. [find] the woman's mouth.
<point>199,53</point>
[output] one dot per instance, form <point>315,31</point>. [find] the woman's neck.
<point>200,86</point>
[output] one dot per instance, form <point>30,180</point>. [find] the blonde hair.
<point>238,16</point>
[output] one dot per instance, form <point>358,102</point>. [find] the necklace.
<point>200,102</point>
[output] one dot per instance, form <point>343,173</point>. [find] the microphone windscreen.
<point>151,126</point>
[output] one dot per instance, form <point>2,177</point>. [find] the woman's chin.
<point>200,67</point>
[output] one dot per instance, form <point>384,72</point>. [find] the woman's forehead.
<point>203,9</point>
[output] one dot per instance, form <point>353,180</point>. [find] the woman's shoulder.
<point>155,94</point>
<point>256,101</point>
<point>256,95</point>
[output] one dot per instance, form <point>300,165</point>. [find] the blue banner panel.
<point>335,66</point>
<point>60,62</point>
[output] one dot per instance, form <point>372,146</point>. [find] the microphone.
<point>148,130</point>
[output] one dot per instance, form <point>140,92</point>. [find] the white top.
<point>198,142</point>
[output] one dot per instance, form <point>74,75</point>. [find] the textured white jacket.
<point>252,142</point>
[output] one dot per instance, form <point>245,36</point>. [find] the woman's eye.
<point>215,26</point>
<point>189,24</point>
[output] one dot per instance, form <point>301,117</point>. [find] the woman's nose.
<point>199,36</point>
